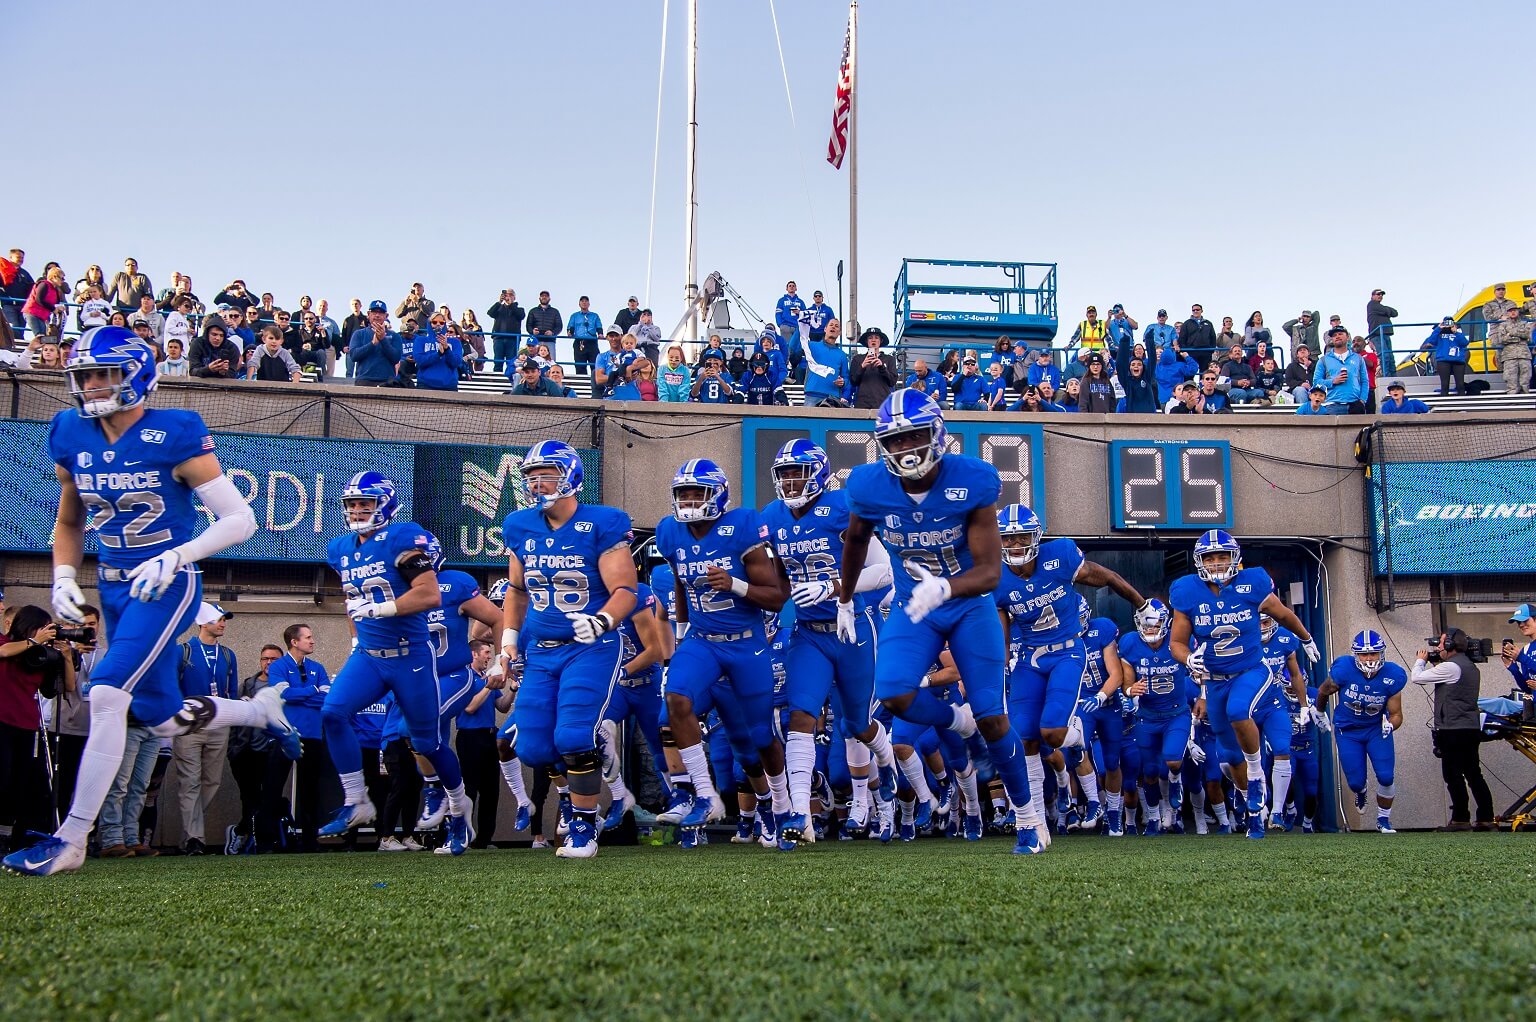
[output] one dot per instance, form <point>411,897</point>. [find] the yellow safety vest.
<point>1092,335</point>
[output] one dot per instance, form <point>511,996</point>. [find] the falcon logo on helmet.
<point>372,486</point>
<point>1212,544</point>
<point>906,413</point>
<point>1084,612</point>
<point>1153,620</point>
<point>498,592</point>
<point>106,350</point>
<point>1370,650</point>
<point>561,457</point>
<point>704,474</point>
<point>1022,526</point>
<point>800,461</point>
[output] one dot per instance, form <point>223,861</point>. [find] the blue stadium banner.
<point>459,492</point>
<point>1442,518</point>
<point>1016,449</point>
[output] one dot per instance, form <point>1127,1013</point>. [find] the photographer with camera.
<point>1445,667</point>
<point>33,660</point>
<point>69,718</point>
<point>1448,346</point>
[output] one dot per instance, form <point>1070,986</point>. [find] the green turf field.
<point>1341,926</point>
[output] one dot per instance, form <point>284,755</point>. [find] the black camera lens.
<point>84,636</point>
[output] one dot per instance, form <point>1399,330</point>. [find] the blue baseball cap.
<point>378,306</point>
<point>1524,612</point>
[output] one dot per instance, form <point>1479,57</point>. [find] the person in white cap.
<point>206,669</point>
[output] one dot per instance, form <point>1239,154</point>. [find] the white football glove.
<point>361,608</point>
<point>1196,661</point>
<point>1195,753</point>
<point>1307,715</point>
<point>1309,647</point>
<point>929,593</point>
<point>587,627</point>
<point>67,597</point>
<point>152,578</point>
<point>847,623</point>
<point>808,594</point>
<point>1324,724</point>
<point>1386,726</point>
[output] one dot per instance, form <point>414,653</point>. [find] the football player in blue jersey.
<point>1306,782</point>
<point>1099,711</point>
<point>1370,709</point>
<point>449,625</point>
<point>1216,634</point>
<point>1160,686</point>
<point>1280,649</point>
<point>647,643</point>
<point>572,582</point>
<point>388,574</point>
<point>510,675</point>
<point>131,472</point>
<point>805,527</point>
<point>936,512</point>
<point>1036,599</point>
<point>725,580</point>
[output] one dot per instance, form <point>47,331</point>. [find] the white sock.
<point>880,745</point>
<point>99,763</point>
<point>912,769</point>
<point>962,724</point>
<point>1036,770</point>
<point>617,788</point>
<point>908,809</point>
<point>696,762</point>
<point>458,804</point>
<point>1090,785</point>
<point>968,787</point>
<point>1221,814</point>
<point>353,788</point>
<point>236,713</point>
<point>859,809</point>
<point>1114,801</point>
<point>800,764</point>
<point>512,773</point>
<point>859,756</point>
<point>1255,763</point>
<point>1280,776</point>
<point>613,772</point>
<point>778,787</point>
<point>1197,798</point>
<point>1063,781</point>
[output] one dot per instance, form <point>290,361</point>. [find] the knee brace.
<point>752,768</point>
<point>745,788</point>
<point>195,714</point>
<point>583,771</point>
<point>1386,791</point>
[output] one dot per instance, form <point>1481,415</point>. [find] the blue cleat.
<point>886,828</point>
<point>768,823</point>
<point>679,805</point>
<point>688,837</point>
<point>944,791</point>
<point>1028,842</point>
<point>1360,801</point>
<point>907,832</point>
<point>348,817</point>
<point>460,834</point>
<point>1176,796</point>
<point>1384,825</point>
<point>1153,825</point>
<point>48,856</point>
<point>745,827</point>
<point>581,843</point>
<point>617,811</point>
<point>1063,803</point>
<point>1112,824</point>
<point>1225,828</point>
<point>792,830</point>
<point>1091,819</point>
<point>1256,797</point>
<point>703,810</point>
<point>1177,826</point>
<point>974,827</point>
<point>1256,826</point>
<point>434,806</point>
<point>524,817</point>
<point>564,827</point>
<point>277,722</point>
<point>923,814</point>
<point>1306,825</point>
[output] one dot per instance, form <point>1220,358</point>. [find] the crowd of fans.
<point>1115,364</point>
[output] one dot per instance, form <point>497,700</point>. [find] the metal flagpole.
<point>852,312</point>
<point>691,280</point>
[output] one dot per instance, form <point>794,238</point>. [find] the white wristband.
<point>509,640</point>
<point>61,572</point>
<point>739,587</point>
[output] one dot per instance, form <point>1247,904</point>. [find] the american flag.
<point>838,145</point>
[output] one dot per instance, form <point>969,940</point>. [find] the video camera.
<point>1478,650</point>
<point>85,636</point>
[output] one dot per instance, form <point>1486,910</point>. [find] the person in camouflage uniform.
<point>1496,307</point>
<point>1512,338</point>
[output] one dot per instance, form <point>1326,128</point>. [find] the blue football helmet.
<point>801,461</point>
<point>1084,613</point>
<point>498,591</point>
<point>910,411</point>
<point>372,486</point>
<point>1212,542</point>
<point>701,472</point>
<point>563,458</point>
<point>1371,644</point>
<point>1268,626</point>
<point>108,348</point>
<point>1153,621</point>
<point>1018,520</point>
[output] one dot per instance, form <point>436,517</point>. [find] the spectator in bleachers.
<point>178,323</point>
<point>1078,367</point>
<point>1198,337</point>
<point>1313,405</point>
<point>994,389</point>
<point>473,336</point>
<point>170,298</point>
<point>1335,321</point>
<point>1378,320</point>
<point>94,311</point>
<point>1303,333</point>
<point>271,361</point>
<point>1044,369</point>
<point>1048,402</point>
<point>968,389</point>
<point>1213,397</point>
<point>313,349</point>
<point>175,362</point>
<point>1343,374</point>
<point>544,322</point>
<point>250,325</point>
<point>1122,328</point>
<point>45,299</point>
<point>506,318</point>
<point>1528,307</point>
<point>1260,351</point>
<point>1270,381</point>
<point>1256,336</point>
<point>736,363</point>
<point>117,318</point>
<point>949,365</point>
<point>1028,402</point>
<point>675,381</point>
<point>921,378</point>
<point>585,327</point>
<point>1512,338</point>
<point>235,295</point>
<point>375,349</point>
<point>1298,374</point>
<point>356,320</point>
<point>1362,348</point>
<point>556,375</point>
<point>755,385</point>
<point>93,275</point>
<point>786,316</point>
<point>1228,337</point>
<point>1140,389</point>
<point>1399,403</point>
<point>1185,399</point>
<point>414,303</point>
<point>1241,382</point>
<point>873,373</point>
<point>1070,396</point>
<point>141,330</point>
<point>1497,307</point>
<point>1002,354</point>
<point>713,384</point>
<point>128,286</point>
<point>15,287</point>
<point>214,356</point>
<point>266,310</point>
<point>649,335</point>
<point>607,362</point>
<point>1096,391</point>
<point>146,313</point>
<point>713,346</point>
<point>627,316</point>
<point>439,355</point>
<point>1158,336</point>
<point>533,383</point>
<point>778,363</point>
<point>49,356</point>
<point>1448,347</point>
<point>817,315</point>
<point>826,367</point>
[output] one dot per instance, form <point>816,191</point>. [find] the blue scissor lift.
<point>946,303</point>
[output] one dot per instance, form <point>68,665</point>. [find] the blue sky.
<point>1247,157</point>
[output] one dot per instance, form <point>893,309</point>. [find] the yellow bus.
<point>1470,316</point>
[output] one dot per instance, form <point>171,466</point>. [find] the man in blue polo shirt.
<point>207,669</point>
<point>375,349</point>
